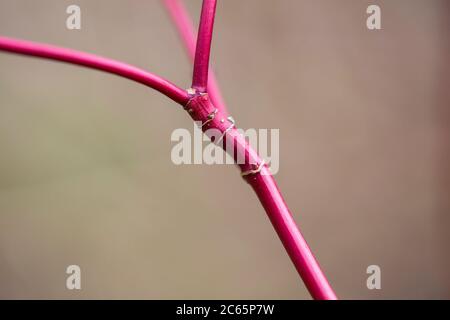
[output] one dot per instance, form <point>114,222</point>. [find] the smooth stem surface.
<point>203,49</point>
<point>185,28</point>
<point>95,62</point>
<point>296,246</point>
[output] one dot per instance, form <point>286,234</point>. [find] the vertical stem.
<point>203,49</point>
<point>185,28</point>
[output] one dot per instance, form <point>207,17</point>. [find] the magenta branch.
<point>212,114</point>
<point>203,49</point>
<point>185,28</point>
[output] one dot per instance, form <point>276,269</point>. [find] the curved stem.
<point>95,62</point>
<point>185,28</point>
<point>203,49</point>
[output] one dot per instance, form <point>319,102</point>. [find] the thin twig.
<point>95,62</point>
<point>200,108</point>
<point>203,49</point>
<point>257,174</point>
<point>185,28</point>
<point>261,179</point>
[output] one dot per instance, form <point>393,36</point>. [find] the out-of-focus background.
<point>86,176</point>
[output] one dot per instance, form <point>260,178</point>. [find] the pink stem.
<point>185,28</point>
<point>265,187</point>
<point>203,49</point>
<point>200,108</point>
<point>263,183</point>
<point>95,62</point>
<point>296,246</point>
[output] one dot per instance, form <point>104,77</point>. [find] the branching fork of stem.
<point>200,107</point>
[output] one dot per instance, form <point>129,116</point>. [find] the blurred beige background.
<point>86,176</point>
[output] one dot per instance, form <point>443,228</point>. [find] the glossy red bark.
<point>200,108</point>
<point>185,28</point>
